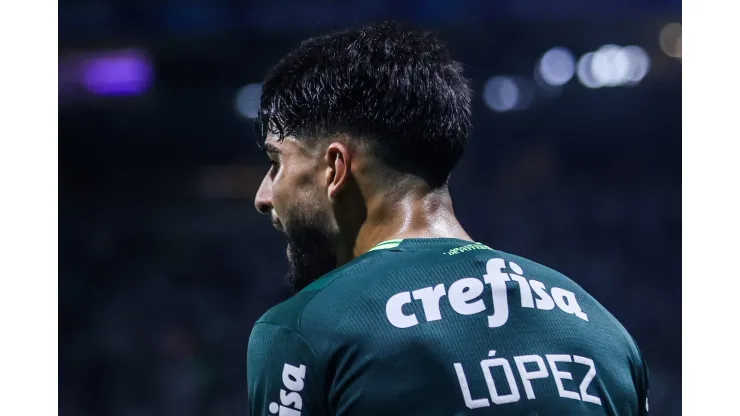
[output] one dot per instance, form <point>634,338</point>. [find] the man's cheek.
<point>279,205</point>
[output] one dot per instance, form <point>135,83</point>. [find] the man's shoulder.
<point>288,312</point>
<point>531,265</point>
<point>533,270</point>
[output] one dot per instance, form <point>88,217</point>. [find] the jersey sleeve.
<point>644,389</point>
<point>642,383</point>
<point>283,373</point>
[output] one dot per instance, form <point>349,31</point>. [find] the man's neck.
<point>412,215</point>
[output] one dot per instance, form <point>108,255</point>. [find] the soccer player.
<point>397,310</point>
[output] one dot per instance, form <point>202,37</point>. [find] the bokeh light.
<point>670,40</point>
<point>247,100</point>
<point>639,64</point>
<point>612,66</point>
<point>584,71</point>
<point>501,93</point>
<point>557,66</point>
<point>127,72</point>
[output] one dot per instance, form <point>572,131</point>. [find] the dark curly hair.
<point>393,87</point>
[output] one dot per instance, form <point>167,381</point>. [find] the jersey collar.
<point>387,244</point>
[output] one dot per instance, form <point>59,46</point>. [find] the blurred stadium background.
<point>574,162</point>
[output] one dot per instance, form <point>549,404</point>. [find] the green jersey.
<point>443,327</point>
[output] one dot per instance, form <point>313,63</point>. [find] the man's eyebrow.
<point>269,148</point>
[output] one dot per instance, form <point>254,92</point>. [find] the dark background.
<point>165,265</point>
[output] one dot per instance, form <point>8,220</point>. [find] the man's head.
<point>362,111</point>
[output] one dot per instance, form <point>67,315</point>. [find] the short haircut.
<point>395,88</point>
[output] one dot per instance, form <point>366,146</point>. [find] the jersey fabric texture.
<point>443,327</point>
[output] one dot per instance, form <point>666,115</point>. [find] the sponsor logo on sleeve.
<point>291,402</point>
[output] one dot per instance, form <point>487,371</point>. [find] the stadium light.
<point>501,93</point>
<point>639,64</point>
<point>584,72</point>
<point>126,72</point>
<point>556,67</point>
<point>670,40</point>
<point>612,66</point>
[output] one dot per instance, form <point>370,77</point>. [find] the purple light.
<point>124,73</point>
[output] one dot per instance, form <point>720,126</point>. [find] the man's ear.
<point>338,164</point>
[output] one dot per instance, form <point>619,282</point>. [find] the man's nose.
<point>263,199</point>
